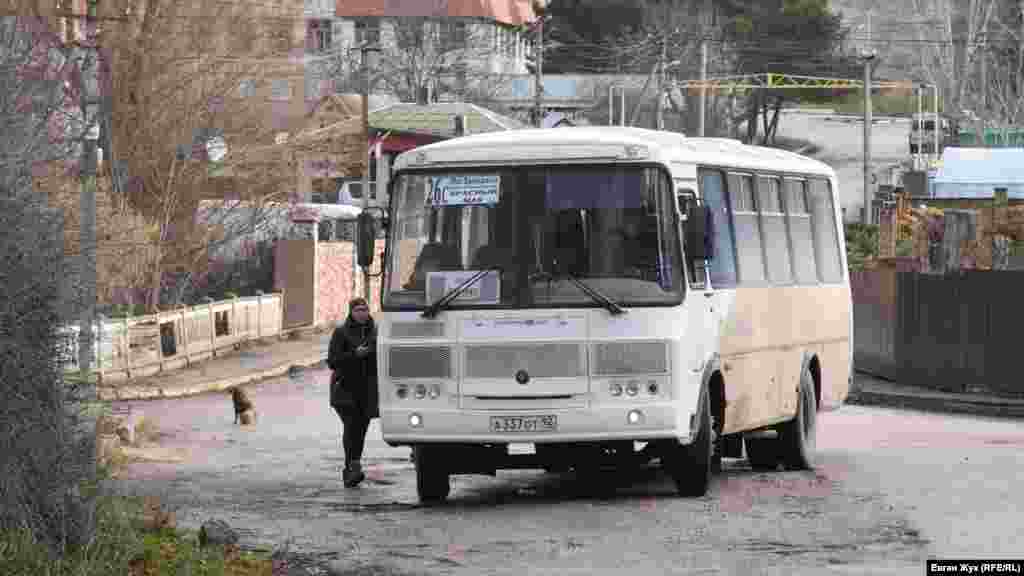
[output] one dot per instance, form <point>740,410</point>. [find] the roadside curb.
<point>126,393</point>
<point>992,409</point>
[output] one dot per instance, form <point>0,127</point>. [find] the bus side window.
<point>826,239</point>
<point>722,268</point>
<point>798,218</point>
<point>773,226</point>
<point>749,253</point>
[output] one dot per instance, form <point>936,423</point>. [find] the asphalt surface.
<point>891,488</point>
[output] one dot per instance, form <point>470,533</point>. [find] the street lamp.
<point>867,55</point>
<point>365,219</point>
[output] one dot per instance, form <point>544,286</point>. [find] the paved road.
<point>891,489</point>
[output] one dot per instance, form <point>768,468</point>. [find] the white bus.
<point>610,296</point>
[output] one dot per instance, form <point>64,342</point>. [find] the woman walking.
<point>352,357</point>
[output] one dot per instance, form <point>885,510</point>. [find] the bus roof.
<point>581,143</point>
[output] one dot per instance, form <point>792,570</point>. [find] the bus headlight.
<point>415,420</point>
<point>615,388</point>
<point>634,417</point>
<point>435,390</point>
<point>421,391</point>
<point>402,392</point>
<point>633,388</point>
<point>652,387</point>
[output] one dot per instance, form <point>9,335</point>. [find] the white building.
<point>457,51</point>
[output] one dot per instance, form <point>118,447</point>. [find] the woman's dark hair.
<point>357,302</point>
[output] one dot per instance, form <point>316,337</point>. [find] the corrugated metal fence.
<point>953,333</point>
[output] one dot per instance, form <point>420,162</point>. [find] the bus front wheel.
<point>432,481</point>
<point>690,466</point>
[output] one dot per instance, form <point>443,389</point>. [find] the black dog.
<point>243,405</point>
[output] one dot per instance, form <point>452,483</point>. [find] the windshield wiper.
<point>454,293</point>
<point>613,308</point>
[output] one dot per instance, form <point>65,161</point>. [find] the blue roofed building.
<point>968,175</point>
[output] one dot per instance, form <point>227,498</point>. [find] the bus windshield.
<point>541,230</point>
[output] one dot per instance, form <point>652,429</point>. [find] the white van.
<point>351,192</point>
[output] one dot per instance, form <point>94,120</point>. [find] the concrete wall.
<point>294,273</point>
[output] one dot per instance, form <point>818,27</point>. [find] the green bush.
<point>861,244</point>
<point>122,546</point>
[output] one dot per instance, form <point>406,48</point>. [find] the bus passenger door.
<point>700,298</point>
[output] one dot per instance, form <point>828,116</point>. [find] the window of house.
<point>318,35</point>
<point>749,253</point>
<point>722,267</point>
<point>826,239</point>
<point>246,88</point>
<point>798,218</point>
<point>773,228</point>
<point>280,89</point>
<point>367,31</point>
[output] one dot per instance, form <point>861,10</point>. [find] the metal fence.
<point>951,332</point>
<point>143,345</point>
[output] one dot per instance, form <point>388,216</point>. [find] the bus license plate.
<point>524,423</point>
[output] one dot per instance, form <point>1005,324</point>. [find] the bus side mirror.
<point>698,232</point>
<point>366,237</point>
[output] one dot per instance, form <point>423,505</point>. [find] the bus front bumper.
<point>606,423</point>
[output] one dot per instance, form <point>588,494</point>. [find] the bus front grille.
<point>550,360</point>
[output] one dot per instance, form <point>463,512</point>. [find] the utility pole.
<point>702,104</point>
<point>367,48</point>
<point>868,57</point>
<point>660,108</point>
<point>88,100</point>
<point>935,133</point>
<point>87,232</point>
<point>918,130</point>
<point>539,8</point>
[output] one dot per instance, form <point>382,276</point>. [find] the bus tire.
<point>432,482</point>
<point>797,438</point>
<point>690,466</point>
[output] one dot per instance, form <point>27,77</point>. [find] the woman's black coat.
<point>354,379</point>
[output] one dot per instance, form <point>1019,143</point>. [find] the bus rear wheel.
<point>432,479</point>
<point>690,466</point>
<point>797,438</point>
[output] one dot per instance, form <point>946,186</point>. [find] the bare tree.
<point>951,48</point>
<point>189,86</point>
<point>1004,62</point>
<point>424,57</point>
